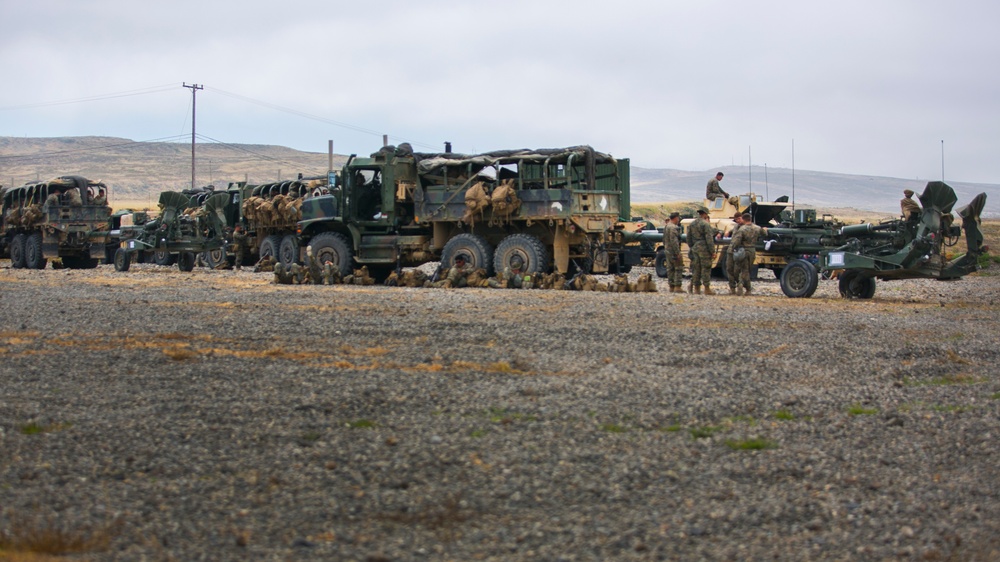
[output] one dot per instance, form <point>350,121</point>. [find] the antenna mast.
<point>194,91</point>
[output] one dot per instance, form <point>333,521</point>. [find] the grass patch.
<point>752,444</point>
<point>859,410</point>
<point>673,428</point>
<point>477,433</point>
<point>180,352</point>
<point>995,396</point>
<point>32,536</point>
<point>946,380</point>
<point>614,428</point>
<point>503,415</point>
<point>311,436</point>
<point>361,424</point>
<point>783,414</point>
<point>34,428</point>
<point>704,431</point>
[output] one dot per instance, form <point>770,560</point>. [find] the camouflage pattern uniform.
<point>731,272</point>
<point>746,238</point>
<point>701,240</point>
<point>73,197</point>
<point>509,279</point>
<point>456,278</point>
<point>51,201</point>
<point>266,263</point>
<point>713,190</point>
<point>909,207</point>
<point>240,243</point>
<point>672,256</point>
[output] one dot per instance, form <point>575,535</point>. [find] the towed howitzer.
<point>176,232</point>
<point>895,249</point>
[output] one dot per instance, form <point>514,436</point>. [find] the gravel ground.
<point>160,415</point>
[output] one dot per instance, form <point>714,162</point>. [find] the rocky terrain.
<point>160,415</point>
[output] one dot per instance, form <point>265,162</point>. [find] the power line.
<point>139,92</point>
<point>318,118</point>
<point>248,151</point>
<point>42,155</point>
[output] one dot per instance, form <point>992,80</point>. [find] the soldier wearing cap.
<point>730,266</point>
<point>701,241</point>
<point>672,252</point>
<point>744,253</point>
<point>911,208</point>
<point>457,274</point>
<point>512,276</point>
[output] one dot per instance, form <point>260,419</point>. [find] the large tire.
<point>799,279</point>
<point>333,247</point>
<point>17,251</point>
<point>185,261</point>
<point>855,285</point>
<point>288,250</point>
<point>723,273</point>
<point>33,256</point>
<point>660,265</point>
<point>123,260</point>
<point>163,257</point>
<point>271,246</point>
<point>530,249</point>
<point>215,258</point>
<point>478,250</point>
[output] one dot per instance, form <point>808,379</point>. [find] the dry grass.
<point>43,538</point>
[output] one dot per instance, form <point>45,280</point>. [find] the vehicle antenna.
<point>767,197</point>
<point>793,174</point>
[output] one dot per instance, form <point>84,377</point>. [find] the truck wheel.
<point>123,260</point>
<point>660,265</point>
<point>215,258</point>
<point>723,273</point>
<point>333,247</point>
<point>530,249</point>
<point>163,257</point>
<point>855,285</point>
<point>185,261</point>
<point>288,250</point>
<point>33,256</point>
<point>475,247</point>
<point>799,279</point>
<point>17,251</point>
<point>271,246</point>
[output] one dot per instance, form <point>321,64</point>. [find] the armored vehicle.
<point>554,209</point>
<point>65,218</point>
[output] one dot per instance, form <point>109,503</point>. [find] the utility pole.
<point>194,91</point>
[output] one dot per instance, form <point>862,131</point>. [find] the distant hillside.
<point>137,170</point>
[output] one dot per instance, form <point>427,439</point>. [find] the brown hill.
<point>137,170</point>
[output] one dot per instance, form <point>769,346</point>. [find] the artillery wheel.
<point>185,261</point>
<point>855,285</point>
<point>799,279</point>
<point>33,256</point>
<point>163,257</point>
<point>123,260</point>
<point>270,246</point>
<point>478,250</point>
<point>215,258</point>
<point>660,264</point>
<point>288,250</point>
<point>529,248</point>
<point>334,248</point>
<point>17,251</point>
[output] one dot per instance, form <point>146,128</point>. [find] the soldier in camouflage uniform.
<point>313,267</point>
<point>745,239</point>
<point>909,207</point>
<point>672,253</point>
<point>512,276</point>
<point>731,272</point>
<point>701,240</point>
<point>240,245</point>
<point>457,275</point>
<point>713,190</point>
<point>266,263</point>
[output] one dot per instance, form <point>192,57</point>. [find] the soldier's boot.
<point>708,290</point>
<point>746,292</point>
<point>732,290</point>
<point>697,290</point>
<point>739,291</point>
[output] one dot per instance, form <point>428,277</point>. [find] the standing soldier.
<point>744,243</point>
<point>672,253</point>
<point>731,272</point>
<point>701,240</point>
<point>240,243</point>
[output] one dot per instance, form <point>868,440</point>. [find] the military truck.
<point>555,209</point>
<point>65,218</point>
<point>269,214</point>
<point>182,230</point>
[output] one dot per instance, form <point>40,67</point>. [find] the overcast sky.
<point>860,87</point>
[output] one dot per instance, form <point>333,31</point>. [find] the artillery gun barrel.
<point>864,228</point>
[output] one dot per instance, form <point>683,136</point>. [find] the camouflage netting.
<point>427,163</point>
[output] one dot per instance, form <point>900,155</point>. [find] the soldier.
<point>672,253</point>
<point>701,240</point>
<point>713,189</point>
<point>744,243</point>
<point>101,199</point>
<point>731,272</point>
<point>266,263</point>
<point>314,268</point>
<point>73,198</point>
<point>457,274</point>
<point>911,209</point>
<point>512,276</point>
<point>240,243</point>
<point>330,274</point>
